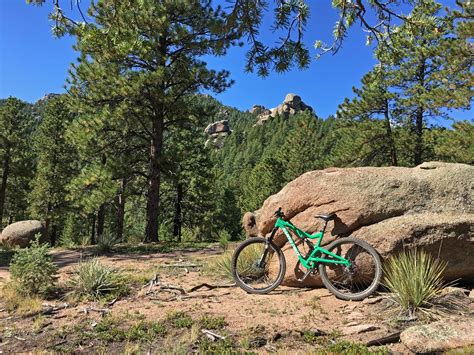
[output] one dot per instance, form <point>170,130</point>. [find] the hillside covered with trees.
<point>123,155</point>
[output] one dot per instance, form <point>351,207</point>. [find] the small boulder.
<point>439,336</point>
<point>20,234</point>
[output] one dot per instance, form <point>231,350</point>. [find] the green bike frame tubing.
<point>311,261</point>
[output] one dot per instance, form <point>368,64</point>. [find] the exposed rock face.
<point>217,132</point>
<point>393,208</point>
<point>439,336</point>
<point>20,234</point>
<point>290,106</point>
<point>257,109</point>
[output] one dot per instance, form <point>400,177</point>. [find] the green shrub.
<point>212,323</point>
<point>74,233</point>
<point>94,280</point>
<point>180,319</point>
<point>414,279</point>
<point>106,243</point>
<point>350,348</point>
<point>224,238</point>
<point>32,269</point>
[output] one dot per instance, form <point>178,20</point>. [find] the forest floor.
<point>170,317</point>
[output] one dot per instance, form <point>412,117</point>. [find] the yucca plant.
<point>94,280</point>
<point>222,265</point>
<point>414,279</point>
<point>105,243</point>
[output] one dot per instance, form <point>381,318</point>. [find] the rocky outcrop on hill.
<point>20,234</point>
<point>393,208</point>
<point>217,132</point>
<point>289,107</point>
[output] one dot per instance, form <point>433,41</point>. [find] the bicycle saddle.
<point>326,217</point>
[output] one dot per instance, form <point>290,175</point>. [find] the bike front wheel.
<point>258,265</point>
<point>361,278</point>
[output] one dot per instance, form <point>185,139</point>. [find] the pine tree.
<point>373,101</point>
<point>139,61</point>
<point>16,127</point>
<point>56,164</point>
<point>427,70</point>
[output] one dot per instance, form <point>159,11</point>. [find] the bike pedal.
<point>305,275</point>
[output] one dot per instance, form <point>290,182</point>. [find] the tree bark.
<point>121,210</point>
<point>153,198</point>
<point>54,233</point>
<point>3,187</point>
<point>418,154</point>
<point>100,221</point>
<point>391,141</point>
<point>93,230</point>
<point>178,218</point>
<point>419,114</point>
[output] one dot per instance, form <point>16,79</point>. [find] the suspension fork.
<point>261,262</point>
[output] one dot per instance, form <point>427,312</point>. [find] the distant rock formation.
<point>217,132</point>
<point>48,97</point>
<point>289,107</point>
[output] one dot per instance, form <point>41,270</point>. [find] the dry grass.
<point>19,303</point>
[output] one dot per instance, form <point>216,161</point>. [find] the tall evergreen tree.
<point>56,164</point>
<point>139,61</point>
<point>16,126</point>
<point>374,101</point>
<point>424,70</point>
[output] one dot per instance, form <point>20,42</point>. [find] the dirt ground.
<point>288,320</point>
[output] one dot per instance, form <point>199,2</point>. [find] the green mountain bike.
<point>349,267</point>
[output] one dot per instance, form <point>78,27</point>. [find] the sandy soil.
<point>281,318</point>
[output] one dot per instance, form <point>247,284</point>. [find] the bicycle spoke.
<point>355,278</point>
<point>253,269</point>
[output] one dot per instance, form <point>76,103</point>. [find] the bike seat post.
<point>324,227</point>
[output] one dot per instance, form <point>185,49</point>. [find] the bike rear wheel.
<point>258,265</point>
<point>357,281</point>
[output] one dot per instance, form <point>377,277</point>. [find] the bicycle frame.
<point>312,260</point>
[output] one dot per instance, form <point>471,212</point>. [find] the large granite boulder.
<point>20,234</point>
<point>393,208</point>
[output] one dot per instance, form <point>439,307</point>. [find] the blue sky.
<point>33,63</point>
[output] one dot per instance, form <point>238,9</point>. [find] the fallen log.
<point>389,339</point>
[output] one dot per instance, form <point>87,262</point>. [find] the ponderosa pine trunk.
<point>178,218</point>
<point>154,176</point>
<point>100,221</point>
<point>121,210</point>
<point>93,239</point>
<point>3,187</point>
<point>418,153</point>
<point>419,114</point>
<point>391,141</point>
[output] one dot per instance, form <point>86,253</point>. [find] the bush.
<point>106,243</point>
<point>94,280</point>
<point>74,233</point>
<point>180,319</point>
<point>224,238</point>
<point>32,269</point>
<point>222,265</point>
<point>414,279</point>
